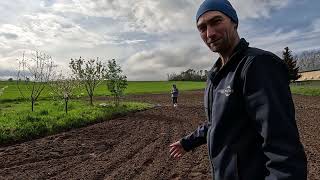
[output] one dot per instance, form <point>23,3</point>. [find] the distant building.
<point>309,75</point>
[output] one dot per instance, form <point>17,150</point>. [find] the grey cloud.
<point>152,38</point>
<point>47,3</point>
<point>140,15</point>
<point>161,16</point>
<point>43,29</point>
<point>275,40</point>
<point>133,41</point>
<point>157,63</point>
<point>54,29</point>
<point>66,26</point>
<point>9,35</point>
<point>316,25</point>
<point>7,72</point>
<point>13,9</point>
<point>257,8</point>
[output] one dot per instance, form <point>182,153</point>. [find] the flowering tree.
<point>64,88</point>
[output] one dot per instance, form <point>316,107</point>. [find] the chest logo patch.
<point>227,91</point>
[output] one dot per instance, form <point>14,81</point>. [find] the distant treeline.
<point>189,75</point>
<point>308,60</point>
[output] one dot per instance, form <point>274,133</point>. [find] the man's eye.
<point>216,21</point>
<point>202,29</point>
<point>219,20</point>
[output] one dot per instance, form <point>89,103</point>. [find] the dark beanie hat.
<point>223,6</point>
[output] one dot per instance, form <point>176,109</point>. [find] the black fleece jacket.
<point>251,131</point>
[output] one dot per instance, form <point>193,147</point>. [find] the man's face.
<point>217,31</point>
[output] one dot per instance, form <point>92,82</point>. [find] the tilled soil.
<point>136,146</point>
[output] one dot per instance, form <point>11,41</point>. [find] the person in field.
<point>174,95</point>
<point>251,130</point>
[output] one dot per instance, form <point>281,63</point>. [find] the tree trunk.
<point>32,105</point>
<point>91,100</point>
<point>115,101</point>
<point>66,105</point>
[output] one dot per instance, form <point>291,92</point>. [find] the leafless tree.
<point>309,60</point>
<point>33,75</point>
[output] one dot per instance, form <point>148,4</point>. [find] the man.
<point>251,131</point>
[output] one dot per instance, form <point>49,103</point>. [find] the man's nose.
<point>211,32</point>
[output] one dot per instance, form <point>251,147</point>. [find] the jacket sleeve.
<point>269,103</point>
<point>196,138</point>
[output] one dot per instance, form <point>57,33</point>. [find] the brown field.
<point>312,75</point>
<point>136,146</point>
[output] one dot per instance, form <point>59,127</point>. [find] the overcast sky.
<point>148,38</point>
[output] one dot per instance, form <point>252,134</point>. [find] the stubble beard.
<point>216,47</point>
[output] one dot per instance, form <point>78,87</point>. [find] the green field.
<point>309,88</point>
<point>17,122</point>
<point>134,87</point>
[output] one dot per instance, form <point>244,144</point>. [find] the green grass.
<point>18,123</point>
<point>308,91</point>
<point>309,88</point>
<point>134,87</point>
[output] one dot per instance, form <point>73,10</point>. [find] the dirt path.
<point>136,146</point>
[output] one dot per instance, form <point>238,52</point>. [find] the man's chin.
<point>214,49</point>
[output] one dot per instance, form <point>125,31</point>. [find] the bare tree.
<point>33,75</point>
<point>309,60</point>
<point>64,87</point>
<point>91,73</point>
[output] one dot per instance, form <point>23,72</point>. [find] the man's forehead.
<point>209,15</point>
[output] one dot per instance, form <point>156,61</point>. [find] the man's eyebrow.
<point>210,20</point>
